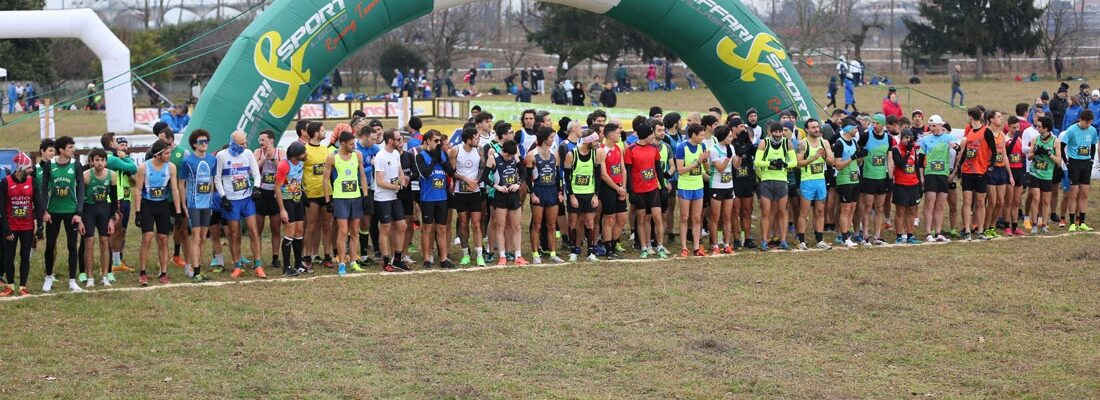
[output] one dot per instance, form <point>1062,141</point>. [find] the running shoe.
<point>700,252</point>
<point>7,292</point>
<point>728,250</point>
<point>878,242</point>
<point>427,265</point>
<point>401,265</point>
<point>82,277</point>
<point>327,263</point>
<point>572,257</point>
<point>1018,232</point>
<point>715,250</point>
<point>824,245</point>
<point>913,240</point>
<point>1027,224</point>
<point>122,267</point>
<point>354,267</point>
<point>619,248</point>
<point>942,239</point>
<point>555,259</point>
<point>342,269</point>
<point>662,252</point>
<point>783,245</point>
<point>521,262</point>
<point>838,240</point>
<point>178,261</point>
<point>644,254</point>
<point>955,233</point>
<point>24,292</point>
<point>982,236</point>
<point>1083,228</point>
<point>217,269</point>
<point>447,264</point>
<point>164,279</point>
<point>1062,223</point>
<point>405,259</point>
<point>685,253</point>
<point>803,246</point>
<point>90,283</point>
<point>480,260</point>
<point>1035,230</point>
<point>111,277</point>
<point>1008,231</point>
<point>465,260</point>
<point>143,280</point>
<point>389,268</point>
<point>899,240</point>
<point>849,243</point>
<point>503,261</point>
<point>1072,227</point>
<point>593,258</point>
<point>236,272</point>
<point>968,236</point>
<point>511,257</point>
<point>105,281</point>
<point>749,244</point>
<point>202,278</point>
<point>929,238</point>
<point>763,246</point>
<point>1044,229</point>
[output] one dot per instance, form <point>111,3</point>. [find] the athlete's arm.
<point>327,183</point>
<point>800,159</point>
<point>895,159</point>
<point>601,157</point>
<point>254,169</point>
<point>5,228</point>
<point>79,191</point>
<point>1057,152</point>
<point>567,166</point>
<point>139,184</point>
<point>362,176</point>
<point>175,188</point>
<point>219,161</point>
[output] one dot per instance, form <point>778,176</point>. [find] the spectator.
<point>890,105</point>
<point>651,76</point>
<point>608,98</point>
<point>557,94</point>
<point>856,68</point>
<point>668,75</point>
<point>196,89</point>
<point>1094,105</point>
<point>578,94</point>
<point>1076,105</point>
<point>523,95</point>
<point>176,118</point>
<point>596,89</point>
<point>398,81</point>
<point>540,79</point>
<point>831,94</point>
<point>692,83</point>
<point>1058,66</point>
<point>956,86</point>
<point>842,69</point>
<point>1058,106</point>
<point>523,76</point>
<point>620,76</point>
<point>849,95</point>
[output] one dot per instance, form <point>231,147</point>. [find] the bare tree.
<point>800,24</point>
<point>1062,31</point>
<point>440,34</point>
<point>859,25</point>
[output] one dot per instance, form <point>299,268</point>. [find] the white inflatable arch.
<point>85,25</point>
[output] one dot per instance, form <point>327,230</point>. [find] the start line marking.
<point>59,292</point>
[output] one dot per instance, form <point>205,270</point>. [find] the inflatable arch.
<point>288,50</point>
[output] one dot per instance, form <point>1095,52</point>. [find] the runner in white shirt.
<point>238,177</point>
<point>388,179</point>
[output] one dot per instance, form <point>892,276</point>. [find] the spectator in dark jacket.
<point>1058,105</point>
<point>578,94</point>
<point>524,94</point>
<point>608,98</point>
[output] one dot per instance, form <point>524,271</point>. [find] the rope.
<point>910,89</point>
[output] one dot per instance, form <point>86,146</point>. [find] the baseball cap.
<point>917,111</point>
<point>1096,93</point>
<point>935,120</point>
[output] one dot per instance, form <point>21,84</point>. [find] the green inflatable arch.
<point>288,50</point>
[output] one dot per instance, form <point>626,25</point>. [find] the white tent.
<point>3,73</point>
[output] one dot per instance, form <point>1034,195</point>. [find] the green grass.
<point>1010,318</point>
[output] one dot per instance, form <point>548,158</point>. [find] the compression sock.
<point>176,250</point>
<point>298,244</point>
<point>801,237</point>
<point>288,246</point>
<point>1081,218</point>
<point>819,236</point>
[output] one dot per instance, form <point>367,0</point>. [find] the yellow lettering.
<point>267,63</point>
<point>750,65</point>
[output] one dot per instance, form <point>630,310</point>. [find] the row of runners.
<point>336,205</point>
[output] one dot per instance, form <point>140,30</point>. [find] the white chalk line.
<point>493,268</point>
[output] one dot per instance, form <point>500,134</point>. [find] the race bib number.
<point>204,188</point>
<point>546,179</point>
<point>1041,165</point>
<point>616,170</point>
<point>878,161</point>
<point>349,186</point>
<point>582,180</point>
<point>910,169</point>
<point>698,170</point>
<point>240,184</point>
<point>1082,150</point>
<point>936,166</point>
<point>20,211</point>
<point>510,180</point>
<point>649,174</point>
<point>853,175</point>
<point>817,168</point>
<point>999,158</point>
<point>318,169</point>
<point>463,187</point>
<point>269,179</point>
<point>742,172</point>
<point>61,191</point>
<point>727,177</point>
<point>394,181</point>
<point>158,192</point>
<point>1014,158</point>
<point>438,183</point>
<point>99,196</point>
<point>971,152</point>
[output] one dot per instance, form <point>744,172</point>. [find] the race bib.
<point>61,191</point>
<point>349,186</point>
<point>1040,165</point>
<point>853,175</point>
<point>1082,150</point>
<point>582,180</point>
<point>463,186</point>
<point>510,180</point>
<point>698,170</point>
<point>99,196</point>
<point>546,179</point>
<point>817,168</point>
<point>742,172</point>
<point>318,169</point>
<point>727,177</point>
<point>649,174</point>
<point>910,169</point>
<point>203,188</point>
<point>999,158</point>
<point>158,192</point>
<point>20,211</point>
<point>878,161</point>
<point>240,183</point>
<point>936,166</point>
<point>438,183</point>
<point>1014,158</point>
<point>269,179</point>
<point>394,181</point>
<point>616,169</point>
<point>971,152</point>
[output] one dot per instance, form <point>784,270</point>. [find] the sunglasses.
<point>202,142</point>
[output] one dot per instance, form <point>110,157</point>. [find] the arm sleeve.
<point>218,175</point>
<point>991,141</point>
<point>79,188</point>
<point>5,228</point>
<point>863,137</point>
<point>896,155</point>
<point>254,170</point>
<point>112,192</point>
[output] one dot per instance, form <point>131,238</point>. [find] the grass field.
<point>1010,318</point>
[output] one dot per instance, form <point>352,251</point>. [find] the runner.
<point>813,155</point>
<point>875,182</point>
<point>846,161</point>
<point>1080,149</point>
<point>119,161</point>
<point>156,178</point>
<point>935,161</point>
<point>1016,163</point>
<point>269,157</point>
<point>387,208</point>
<point>236,175</point>
<point>1045,157</point>
<point>367,146</point>
<point>22,206</point>
<point>690,158</point>
<point>196,179</point>
<point>100,215</point>
<point>546,194</point>
<point>723,162</point>
<point>907,191</point>
<point>292,209</point>
<point>344,193</point>
<point>312,181</point>
<point>974,162</point>
<point>744,184</point>
<point>468,200</point>
<point>674,137</point>
<point>580,185</point>
<point>433,168</point>
<point>612,192</point>
<point>64,204</point>
<point>647,169</point>
<point>998,177</point>
<point>507,205</point>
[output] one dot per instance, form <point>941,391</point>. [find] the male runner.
<point>612,192</point>
<point>1045,157</point>
<point>292,209</point>
<point>433,168</point>
<point>100,215</point>
<point>507,204</point>
<point>63,195</point>
<point>344,193</point>
<point>546,194</point>
<point>156,178</point>
<point>236,175</point>
<point>196,178</point>
<point>691,156</point>
<point>998,179</point>
<point>975,160</point>
<point>646,168</point>
<point>268,157</point>
<point>906,189</point>
<point>388,180</point>
<point>580,186</point>
<point>813,155</point>
<point>468,200</point>
<point>875,182</point>
<point>935,162</point>
<point>1079,142</point>
<point>846,161</point>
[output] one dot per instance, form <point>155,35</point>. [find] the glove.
<point>328,206</point>
<point>255,194</point>
<point>860,153</point>
<point>137,219</point>
<point>1042,151</point>
<point>776,164</point>
<point>40,234</point>
<point>226,204</point>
